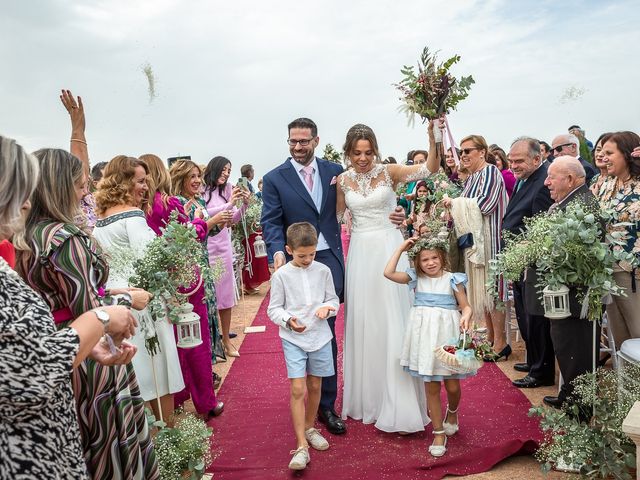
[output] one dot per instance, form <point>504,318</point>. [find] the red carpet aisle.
<point>254,435</point>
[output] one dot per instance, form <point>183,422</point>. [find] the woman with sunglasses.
<point>479,211</point>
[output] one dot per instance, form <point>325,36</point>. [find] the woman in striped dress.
<point>479,211</point>
<point>66,267</point>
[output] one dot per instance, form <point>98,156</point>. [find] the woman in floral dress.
<point>620,193</point>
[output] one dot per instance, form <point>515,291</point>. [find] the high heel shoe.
<point>230,351</point>
<point>438,450</point>
<point>451,428</point>
<point>494,357</point>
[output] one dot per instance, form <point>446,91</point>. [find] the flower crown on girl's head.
<point>429,241</point>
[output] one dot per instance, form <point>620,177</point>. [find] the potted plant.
<point>184,451</point>
<point>585,436</point>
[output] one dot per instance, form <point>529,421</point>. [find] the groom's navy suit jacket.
<point>286,201</point>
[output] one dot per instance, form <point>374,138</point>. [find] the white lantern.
<point>556,302</point>
<point>189,335</point>
<point>443,234</point>
<point>259,247</point>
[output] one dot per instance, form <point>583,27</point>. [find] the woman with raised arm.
<point>376,389</point>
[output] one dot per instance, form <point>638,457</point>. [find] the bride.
<point>376,389</point>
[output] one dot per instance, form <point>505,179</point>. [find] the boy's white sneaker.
<point>315,439</point>
<point>300,459</point>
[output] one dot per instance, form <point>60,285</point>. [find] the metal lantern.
<point>443,234</point>
<point>259,247</point>
<point>189,335</point>
<point>556,302</point>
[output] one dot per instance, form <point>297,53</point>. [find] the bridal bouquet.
<point>432,90</point>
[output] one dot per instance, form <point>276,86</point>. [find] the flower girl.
<point>434,321</point>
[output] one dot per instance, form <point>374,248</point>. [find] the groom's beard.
<point>306,160</point>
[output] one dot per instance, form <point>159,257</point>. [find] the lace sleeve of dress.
<point>419,174</point>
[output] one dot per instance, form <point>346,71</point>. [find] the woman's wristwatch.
<point>103,316</point>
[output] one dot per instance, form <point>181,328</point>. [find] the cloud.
<point>231,75</point>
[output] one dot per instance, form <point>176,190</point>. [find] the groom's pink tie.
<point>307,172</point>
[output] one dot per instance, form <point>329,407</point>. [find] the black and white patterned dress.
<point>39,435</point>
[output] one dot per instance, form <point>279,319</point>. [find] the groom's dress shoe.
<point>332,421</point>
<point>555,402</point>
<point>531,382</point>
<point>521,367</point>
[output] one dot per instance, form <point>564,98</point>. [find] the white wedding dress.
<point>376,389</point>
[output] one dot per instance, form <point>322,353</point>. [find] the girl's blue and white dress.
<point>434,321</point>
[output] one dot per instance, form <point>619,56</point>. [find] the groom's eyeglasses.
<point>303,142</point>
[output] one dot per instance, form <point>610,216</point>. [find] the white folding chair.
<point>607,342</point>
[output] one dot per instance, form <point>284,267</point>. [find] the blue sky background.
<point>231,75</point>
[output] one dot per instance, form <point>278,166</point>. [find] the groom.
<point>303,189</point>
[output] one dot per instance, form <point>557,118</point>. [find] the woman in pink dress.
<point>195,363</point>
<point>220,195</point>
<point>502,162</point>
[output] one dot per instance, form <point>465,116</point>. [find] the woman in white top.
<point>121,228</point>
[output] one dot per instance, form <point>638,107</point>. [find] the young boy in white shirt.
<point>302,298</point>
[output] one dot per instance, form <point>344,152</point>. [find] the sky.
<point>230,76</point>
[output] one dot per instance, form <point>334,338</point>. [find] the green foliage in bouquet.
<point>184,448</point>
<point>171,262</point>
<point>587,433</point>
<point>567,248</point>
<point>331,154</point>
<point>432,90</point>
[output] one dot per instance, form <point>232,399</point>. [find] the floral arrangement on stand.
<point>586,436</point>
<point>249,225</point>
<point>170,263</point>
<point>567,248</point>
<point>431,91</point>
<point>184,451</point>
<point>331,154</point>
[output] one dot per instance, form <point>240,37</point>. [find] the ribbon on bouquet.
<point>449,141</point>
